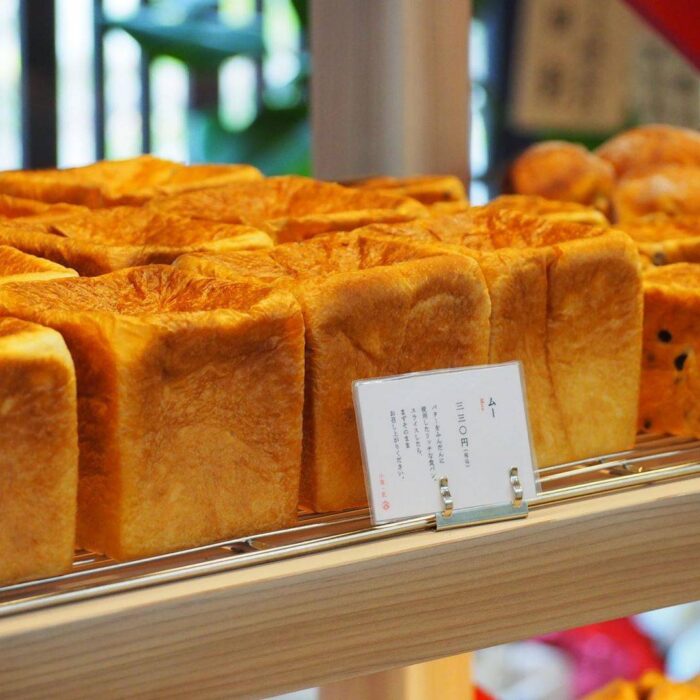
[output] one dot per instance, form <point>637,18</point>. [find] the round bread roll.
<point>564,171</point>
<point>671,189</point>
<point>651,146</point>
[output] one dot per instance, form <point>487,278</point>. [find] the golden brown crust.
<point>33,210</point>
<point>672,189</point>
<point>551,209</point>
<point>14,264</point>
<point>545,278</point>
<point>292,208</point>
<point>39,456</point>
<point>564,171</point>
<point>651,146</point>
<point>663,239</point>
<point>110,183</point>
<point>492,227</point>
<point>670,370</point>
<point>427,189</point>
<point>373,306</point>
<point>103,241</point>
<point>189,400</point>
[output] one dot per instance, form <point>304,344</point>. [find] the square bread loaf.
<point>109,183</point>
<point>34,210</point>
<point>16,266</point>
<point>104,240</point>
<point>662,238</point>
<point>292,208</point>
<point>38,453</point>
<point>427,189</point>
<point>373,306</point>
<point>557,289</point>
<point>551,209</point>
<point>190,397</point>
<point>670,394</point>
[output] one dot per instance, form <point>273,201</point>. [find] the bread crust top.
<point>114,182</point>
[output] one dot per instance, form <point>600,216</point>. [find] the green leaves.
<point>196,36</point>
<point>277,142</point>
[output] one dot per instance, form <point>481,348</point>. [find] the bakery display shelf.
<point>251,617</point>
<point>654,459</point>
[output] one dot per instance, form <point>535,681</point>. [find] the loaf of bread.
<point>557,288</point>
<point>190,397</point>
<point>670,393</point>
<point>16,266</point>
<point>672,189</point>
<point>292,208</point>
<point>564,171</point>
<point>39,455</point>
<point>428,189</point>
<point>104,240</point>
<point>34,210</point>
<point>663,238</point>
<point>373,306</point>
<point>551,209</point>
<point>109,183</point>
<point>649,147</point>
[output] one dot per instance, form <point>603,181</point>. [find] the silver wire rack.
<point>654,459</point>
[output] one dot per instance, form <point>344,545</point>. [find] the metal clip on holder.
<point>449,517</point>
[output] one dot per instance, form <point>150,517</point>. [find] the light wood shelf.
<point>324,617</point>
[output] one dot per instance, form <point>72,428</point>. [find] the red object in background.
<point>677,20</point>
<point>606,651</point>
<point>481,695</point>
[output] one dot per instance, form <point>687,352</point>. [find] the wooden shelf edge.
<point>325,617</point>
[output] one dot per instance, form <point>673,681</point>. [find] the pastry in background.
<point>109,183</point>
<point>563,171</point>
<point>670,391</point>
<point>39,455</point>
<point>292,208</point>
<point>16,266</point>
<point>373,307</point>
<point>670,189</point>
<point>427,189</point>
<point>649,147</point>
<point>190,397</point>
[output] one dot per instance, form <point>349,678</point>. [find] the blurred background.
<point>228,80</point>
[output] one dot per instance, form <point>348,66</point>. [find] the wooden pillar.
<point>442,679</point>
<point>390,87</point>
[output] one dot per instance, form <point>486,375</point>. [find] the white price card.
<point>469,425</point>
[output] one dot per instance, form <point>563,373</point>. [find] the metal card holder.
<point>450,518</point>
